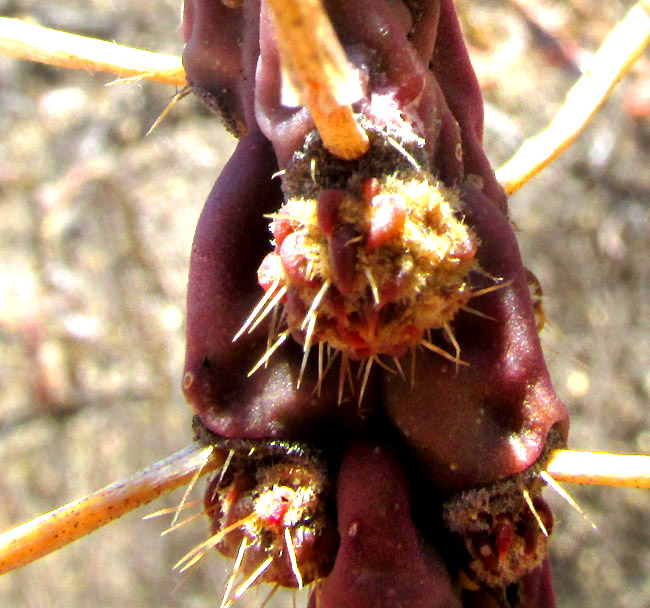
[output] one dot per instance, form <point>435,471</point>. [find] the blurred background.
<point>96,222</point>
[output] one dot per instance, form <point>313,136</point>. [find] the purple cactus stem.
<point>467,436</point>
<point>501,403</point>
<point>229,244</point>
<point>382,560</point>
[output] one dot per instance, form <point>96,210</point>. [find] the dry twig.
<point>51,531</point>
<point>319,71</point>
<point>26,41</point>
<point>619,51</point>
<point>600,468</point>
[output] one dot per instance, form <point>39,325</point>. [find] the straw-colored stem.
<point>600,468</point>
<point>317,67</point>
<point>619,51</point>
<point>51,531</point>
<point>26,41</point>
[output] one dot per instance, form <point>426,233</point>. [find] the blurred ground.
<point>96,223</point>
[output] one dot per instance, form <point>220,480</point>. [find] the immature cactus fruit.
<point>271,506</point>
<point>371,267</point>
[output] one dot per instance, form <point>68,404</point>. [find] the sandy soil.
<point>96,222</point>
